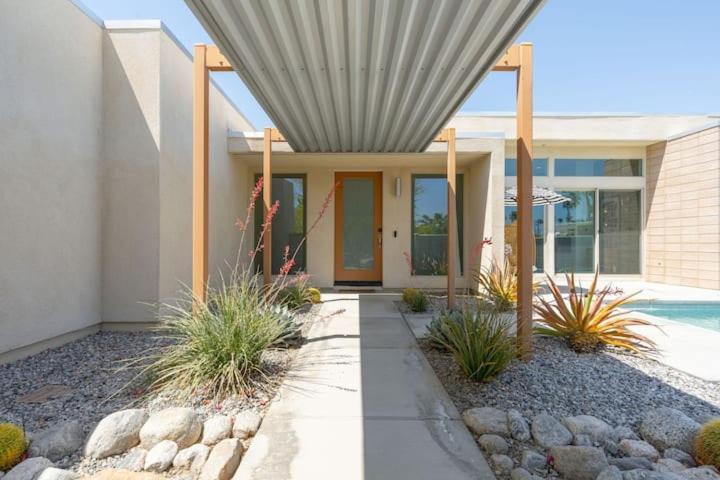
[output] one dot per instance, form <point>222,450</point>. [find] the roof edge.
<point>685,133</point>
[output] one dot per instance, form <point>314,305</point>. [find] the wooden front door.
<point>358,227</point>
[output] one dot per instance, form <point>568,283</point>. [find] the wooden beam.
<point>267,203</point>
<point>216,61</point>
<point>442,136</point>
<point>524,199</point>
<point>510,61</point>
<point>276,136</point>
<point>200,175</point>
<point>452,215</point>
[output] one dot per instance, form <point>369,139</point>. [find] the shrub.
<point>586,322</point>
<point>707,444</point>
<point>415,299</point>
<point>295,295</point>
<point>498,285</point>
<point>478,341</point>
<point>435,335</point>
<point>12,446</point>
<point>314,295</point>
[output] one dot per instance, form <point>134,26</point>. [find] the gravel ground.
<point>616,387</point>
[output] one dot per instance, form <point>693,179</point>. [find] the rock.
<point>649,475</point>
<point>682,457</point>
<point>518,426</point>
<point>502,464</point>
<point>579,463</point>
<point>216,428</point>
<point>160,457</point>
<point>631,463</point>
<point>223,460</point>
<point>668,465</point>
<point>493,443</point>
<point>53,473</point>
<point>669,428</point>
<point>134,461</point>
<point>192,458</point>
<point>697,473</point>
<point>116,433</point>
<point>533,461</point>
<point>58,441</point>
<point>610,473</point>
<point>623,432</point>
<point>639,448</point>
<point>522,474</point>
<point>583,440</point>
<point>246,424</point>
<point>486,420</point>
<point>29,469</point>
<point>181,425</point>
<point>548,432</point>
<point>596,429</point>
<point>113,474</point>
<point>611,446</point>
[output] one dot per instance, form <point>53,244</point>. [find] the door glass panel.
<point>575,233</point>
<point>538,222</point>
<point>358,224</point>
<point>620,231</point>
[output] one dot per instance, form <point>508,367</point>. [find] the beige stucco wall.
<point>683,210</point>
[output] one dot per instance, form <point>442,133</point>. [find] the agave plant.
<point>587,321</point>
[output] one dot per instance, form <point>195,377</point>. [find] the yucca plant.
<point>587,321</point>
<point>707,443</point>
<point>498,285</point>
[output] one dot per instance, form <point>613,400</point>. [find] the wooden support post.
<point>200,175</point>
<point>524,200</point>
<point>452,216</point>
<point>267,203</point>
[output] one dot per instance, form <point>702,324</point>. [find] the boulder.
<point>518,426</point>
<point>533,461</point>
<point>29,469</point>
<point>223,460</point>
<point>631,463</point>
<point>522,474</point>
<point>53,473</point>
<point>623,432</point>
<point>216,428</point>
<point>160,457</point>
<point>493,443</point>
<point>57,441</point>
<point>639,448</point>
<point>697,473</point>
<point>246,424</point>
<point>502,464</point>
<point>134,461</point>
<point>583,440</point>
<point>668,465</point>
<point>669,428</point>
<point>592,427</point>
<point>579,463</point>
<point>649,475</point>
<point>116,433</point>
<point>117,474</point>
<point>610,473</point>
<point>181,425</point>
<point>192,458</point>
<point>549,432</point>
<point>682,457</point>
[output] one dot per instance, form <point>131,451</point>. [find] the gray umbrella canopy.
<point>541,196</point>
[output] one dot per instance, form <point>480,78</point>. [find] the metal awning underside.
<point>362,75</point>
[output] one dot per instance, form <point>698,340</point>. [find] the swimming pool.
<point>700,314</point>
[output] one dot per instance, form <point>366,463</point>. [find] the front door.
<point>358,227</point>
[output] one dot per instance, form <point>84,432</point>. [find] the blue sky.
<point>648,56</point>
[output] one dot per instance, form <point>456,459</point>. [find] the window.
<point>540,167</point>
<point>567,167</point>
<point>430,224</point>
<point>288,226</point>
<point>620,230</point>
<point>575,233</point>
<point>538,221</point>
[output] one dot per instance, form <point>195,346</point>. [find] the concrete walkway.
<point>362,403</point>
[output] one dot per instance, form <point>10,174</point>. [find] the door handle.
<point>379,239</point>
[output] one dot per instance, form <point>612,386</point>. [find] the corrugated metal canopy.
<point>362,75</point>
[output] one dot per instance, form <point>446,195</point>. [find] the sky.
<point>630,56</point>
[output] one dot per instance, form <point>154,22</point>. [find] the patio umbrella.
<point>540,196</point>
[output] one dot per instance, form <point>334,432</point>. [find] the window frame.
<point>575,159</point>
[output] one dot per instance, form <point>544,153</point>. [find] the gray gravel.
<point>614,386</point>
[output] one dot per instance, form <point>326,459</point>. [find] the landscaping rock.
<point>583,440</point>
<point>113,474</point>
<point>160,457</point>
<point>610,473</point>
<point>669,428</point>
<point>116,433</point>
<point>57,441</point>
<point>611,446</point>
<point>533,461</point>
<point>639,448</point>
<point>486,420</point>
<point>53,473</point>
<point>518,426</point>
<point>502,464</point>
<point>668,465</point>
<point>682,457</point>
<point>134,461</point>
<point>549,432</point>
<point>493,443</point>
<point>596,429</point>
<point>698,473</point>
<point>623,432</point>
<point>246,424</point>
<point>579,463</point>
<point>29,469</point>
<point>192,458</point>
<point>216,428</point>
<point>631,463</point>
<point>649,475</point>
<point>181,425</point>
<point>522,474</point>
<point>223,460</point>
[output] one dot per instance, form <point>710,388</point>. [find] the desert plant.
<point>295,295</point>
<point>435,335</point>
<point>498,285</point>
<point>12,446</point>
<point>314,295</point>
<point>586,321</point>
<point>707,443</point>
<point>478,341</point>
<point>415,299</point>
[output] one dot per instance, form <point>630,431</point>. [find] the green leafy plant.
<point>415,299</point>
<point>295,295</point>
<point>314,294</point>
<point>12,446</point>
<point>478,341</point>
<point>587,321</point>
<point>498,285</point>
<point>707,444</point>
<point>435,335</point>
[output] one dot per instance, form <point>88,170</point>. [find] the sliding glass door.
<point>619,232</point>
<point>575,233</point>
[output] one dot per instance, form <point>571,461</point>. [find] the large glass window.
<point>538,232</point>
<point>569,167</point>
<point>288,226</point>
<point>430,224</point>
<point>619,231</point>
<point>540,167</point>
<point>575,233</point>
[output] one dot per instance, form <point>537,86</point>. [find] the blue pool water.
<point>700,314</point>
